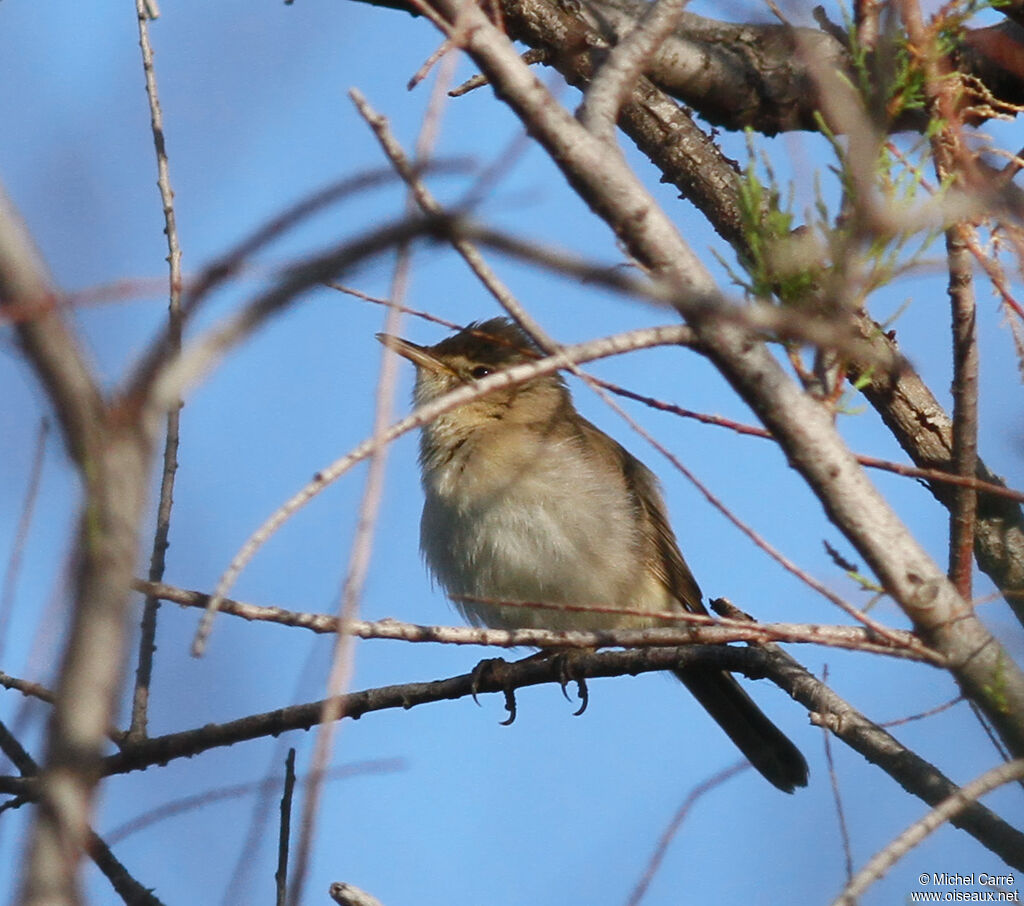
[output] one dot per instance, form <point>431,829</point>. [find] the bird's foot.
<point>492,672</point>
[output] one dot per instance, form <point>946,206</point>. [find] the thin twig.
<point>871,462</point>
<point>530,56</point>
<point>613,83</point>
<point>131,891</point>
<point>421,73</point>
<point>28,506</point>
<point>698,792</point>
<point>931,712</point>
<point>157,560</point>
<point>963,514</point>
<point>220,794</point>
<point>16,752</point>
<point>27,688</point>
<point>882,861</point>
<point>43,694</point>
<point>343,659</point>
<point>281,875</point>
<point>696,629</point>
<point>837,799</point>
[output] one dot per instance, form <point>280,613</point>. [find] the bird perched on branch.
<point>527,501</point>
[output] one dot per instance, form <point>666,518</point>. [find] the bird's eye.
<point>481,371</point>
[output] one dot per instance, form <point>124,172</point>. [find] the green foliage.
<point>768,227</point>
<point>891,77</point>
<point>831,258</point>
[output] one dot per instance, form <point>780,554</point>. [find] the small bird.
<point>528,501</point>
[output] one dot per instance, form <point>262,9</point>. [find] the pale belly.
<point>534,542</point>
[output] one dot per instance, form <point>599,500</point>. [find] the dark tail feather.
<point>765,745</point>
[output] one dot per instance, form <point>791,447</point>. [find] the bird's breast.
<point>533,522</point>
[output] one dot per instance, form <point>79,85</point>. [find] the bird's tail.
<point>766,747</point>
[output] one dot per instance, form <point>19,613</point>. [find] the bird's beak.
<point>420,356</point>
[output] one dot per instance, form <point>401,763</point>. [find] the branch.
<point>113,457</point>
<point>917,776</point>
<point>47,340</point>
<point>170,381</point>
<point>912,772</point>
<point>925,431</point>
<point>147,634</point>
<point>700,629</point>
<point>740,75</point>
<point>945,811</point>
<point>128,888</point>
<point>699,791</point>
<point>624,64</point>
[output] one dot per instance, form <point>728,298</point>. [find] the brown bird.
<point>528,501</point>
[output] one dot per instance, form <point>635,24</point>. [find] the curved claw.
<point>486,667</point>
<point>564,681</point>
<point>584,694</point>
<point>566,662</point>
<point>510,706</point>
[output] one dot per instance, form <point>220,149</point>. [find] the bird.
<point>525,500</point>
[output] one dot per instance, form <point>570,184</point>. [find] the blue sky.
<point>555,809</point>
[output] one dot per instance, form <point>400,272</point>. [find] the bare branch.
<point>623,65</point>
<point>963,516</point>
<point>147,635</point>
<point>945,811</point>
<point>878,746</point>
<point>281,875</point>
<point>695,795</point>
<point>47,340</point>
<point>837,799</point>
<point>699,629</point>
<point>221,793</point>
<point>114,461</point>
